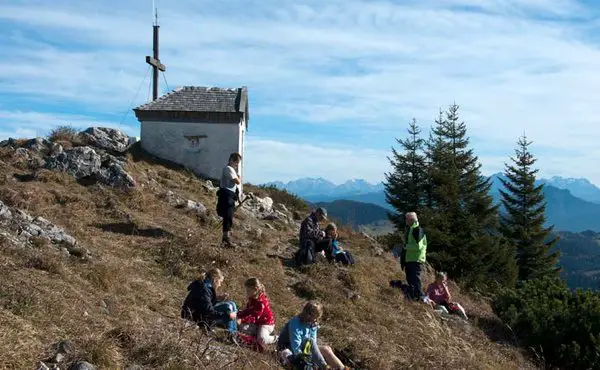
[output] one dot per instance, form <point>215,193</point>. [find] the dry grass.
<point>122,308</point>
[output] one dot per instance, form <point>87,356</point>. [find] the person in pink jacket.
<point>439,295</point>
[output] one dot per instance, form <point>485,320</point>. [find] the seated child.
<point>339,254</point>
<point>439,296</point>
<point>256,320</point>
<point>297,344</point>
<point>204,307</point>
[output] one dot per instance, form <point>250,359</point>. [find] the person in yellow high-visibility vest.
<point>415,249</point>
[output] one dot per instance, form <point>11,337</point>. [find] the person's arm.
<point>206,306</point>
<point>447,293</point>
<point>250,314</point>
<point>313,231</point>
<point>233,176</point>
<point>295,337</point>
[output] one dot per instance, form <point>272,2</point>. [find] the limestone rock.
<point>107,138</point>
<point>84,162</point>
<point>115,175</point>
<point>265,204</point>
<point>38,144</point>
<point>5,213</point>
<point>79,162</point>
<point>22,153</point>
<point>208,185</point>
<point>24,227</point>
<point>197,207</point>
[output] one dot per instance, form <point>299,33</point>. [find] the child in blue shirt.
<point>339,254</point>
<point>298,339</point>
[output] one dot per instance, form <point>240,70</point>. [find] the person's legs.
<point>331,358</point>
<point>413,278</point>
<point>265,334</point>
<point>341,257</point>
<point>325,245</point>
<point>316,355</point>
<point>418,287</point>
<point>228,307</point>
<point>228,210</point>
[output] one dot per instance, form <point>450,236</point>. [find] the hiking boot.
<point>226,242</point>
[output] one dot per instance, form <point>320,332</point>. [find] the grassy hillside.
<point>120,307</point>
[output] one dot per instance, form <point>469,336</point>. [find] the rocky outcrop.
<point>109,139</point>
<point>84,162</point>
<point>20,228</point>
<point>190,205</point>
<point>78,162</point>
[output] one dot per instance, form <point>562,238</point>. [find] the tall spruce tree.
<point>404,187</point>
<point>524,217</point>
<point>462,222</point>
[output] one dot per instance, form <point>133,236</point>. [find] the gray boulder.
<point>82,162</point>
<point>115,175</point>
<point>197,207</point>
<point>107,138</point>
<point>37,144</point>
<point>79,162</point>
<point>5,213</point>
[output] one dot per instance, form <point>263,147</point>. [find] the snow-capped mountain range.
<point>309,187</point>
<point>320,189</point>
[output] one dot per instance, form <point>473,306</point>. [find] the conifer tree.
<point>523,222</point>
<point>462,223</point>
<point>404,186</point>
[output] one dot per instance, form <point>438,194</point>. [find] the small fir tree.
<point>523,220</point>
<point>404,187</point>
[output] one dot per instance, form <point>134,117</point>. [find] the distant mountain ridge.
<point>318,187</point>
<point>564,210</point>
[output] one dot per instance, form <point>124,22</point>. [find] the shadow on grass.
<point>131,229</point>
<point>495,329</point>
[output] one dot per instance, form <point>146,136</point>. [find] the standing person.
<point>256,320</point>
<point>227,195</point>
<point>312,239</point>
<point>297,344</point>
<point>203,306</point>
<point>415,251</point>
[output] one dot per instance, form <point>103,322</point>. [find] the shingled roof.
<point>200,99</point>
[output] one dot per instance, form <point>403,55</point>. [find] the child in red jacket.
<point>257,319</point>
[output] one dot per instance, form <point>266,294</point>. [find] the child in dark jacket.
<point>204,307</point>
<point>338,253</point>
<point>257,318</point>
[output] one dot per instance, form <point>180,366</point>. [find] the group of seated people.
<point>255,324</point>
<point>313,241</point>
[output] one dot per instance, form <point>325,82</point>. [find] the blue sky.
<point>331,82</point>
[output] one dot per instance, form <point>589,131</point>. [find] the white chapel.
<point>197,127</point>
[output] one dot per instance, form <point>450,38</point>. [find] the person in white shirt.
<point>228,194</point>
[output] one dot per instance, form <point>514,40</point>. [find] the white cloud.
<point>270,160</point>
<point>27,124</point>
<point>513,66</point>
